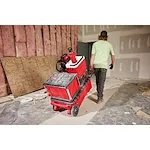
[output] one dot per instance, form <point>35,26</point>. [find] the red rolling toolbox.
<point>68,87</point>
<point>62,85</point>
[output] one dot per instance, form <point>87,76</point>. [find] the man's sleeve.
<point>111,50</point>
<point>93,49</point>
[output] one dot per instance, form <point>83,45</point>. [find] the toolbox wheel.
<point>75,110</point>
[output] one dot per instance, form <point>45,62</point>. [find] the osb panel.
<point>42,68</point>
<point>46,65</point>
<point>51,63</point>
<point>31,70</point>
<point>27,74</point>
<point>13,70</point>
<point>9,63</point>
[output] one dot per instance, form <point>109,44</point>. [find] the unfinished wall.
<point>131,45</point>
<point>34,40</point>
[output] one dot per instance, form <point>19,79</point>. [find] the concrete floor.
<point>120,106</point>
<point>126,107</point>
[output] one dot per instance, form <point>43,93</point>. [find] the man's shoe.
<point>99,100</point>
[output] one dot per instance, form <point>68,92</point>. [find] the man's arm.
<point>92,57</point>
<point>91,61</point>
<point>112,57</point>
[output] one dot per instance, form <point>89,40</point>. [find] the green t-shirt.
<point>102,50</point>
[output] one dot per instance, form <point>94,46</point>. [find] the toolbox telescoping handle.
<point>90,73</point>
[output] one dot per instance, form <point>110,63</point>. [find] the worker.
<point>101,50</point>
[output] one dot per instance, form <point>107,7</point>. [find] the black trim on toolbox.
<point>77,62</point>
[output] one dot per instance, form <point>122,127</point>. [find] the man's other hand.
<point>111,66</point>
<point>91,67</point>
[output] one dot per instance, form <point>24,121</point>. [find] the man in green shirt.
<point>101,50</point>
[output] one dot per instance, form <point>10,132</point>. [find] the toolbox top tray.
<point>61,79</point>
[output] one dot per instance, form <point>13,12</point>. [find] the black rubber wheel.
<point>75,110</point>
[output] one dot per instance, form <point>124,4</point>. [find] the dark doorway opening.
<point>85,49</point>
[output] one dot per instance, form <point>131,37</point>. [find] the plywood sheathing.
<point>27,74</point>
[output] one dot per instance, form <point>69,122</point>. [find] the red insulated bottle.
<point>73,57</point>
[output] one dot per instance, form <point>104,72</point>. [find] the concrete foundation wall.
<point>34,40</point>
<point>131,45</point>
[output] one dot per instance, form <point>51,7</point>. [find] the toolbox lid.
<point>61,79</point>
<point>76,64</point>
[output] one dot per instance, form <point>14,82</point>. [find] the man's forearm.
<point>92,60</point>
<point>113,59</point>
